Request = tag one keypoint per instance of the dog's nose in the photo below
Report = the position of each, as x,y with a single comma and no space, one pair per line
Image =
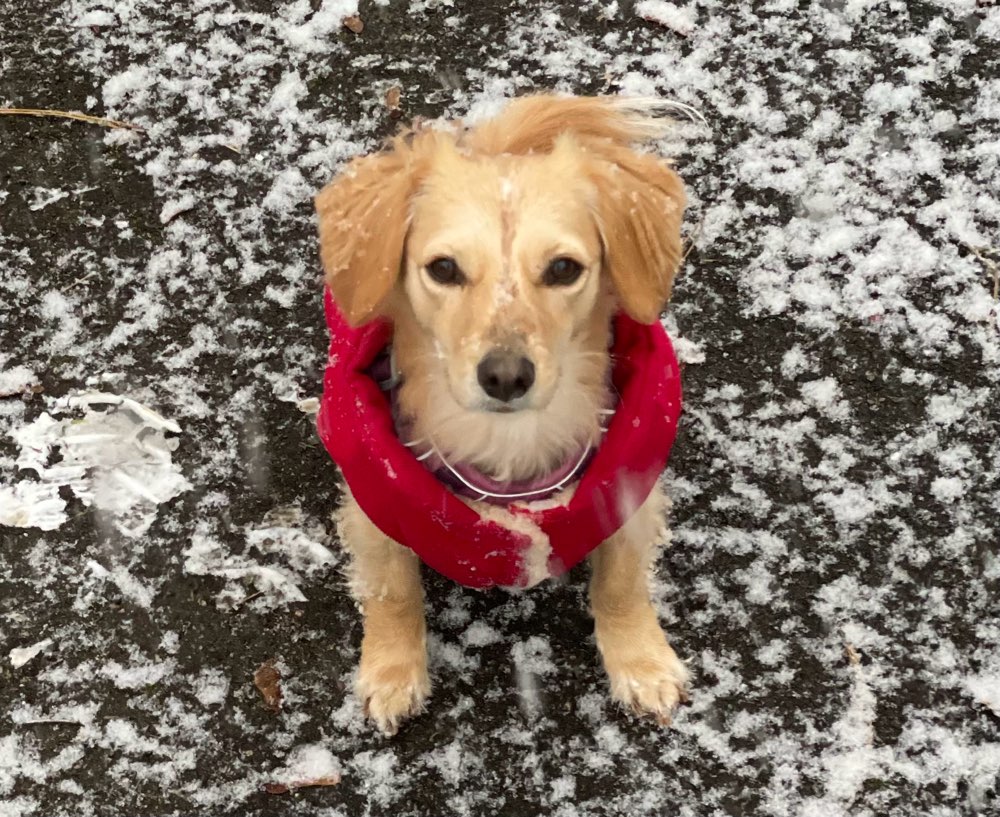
505,375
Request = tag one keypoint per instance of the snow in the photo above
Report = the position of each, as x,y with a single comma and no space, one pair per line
174,208
32,505
208,557
138,676
97,17
15,379
535,561
19,656
118,460
947,489
309,762
985,689
678,18
835,478
211,687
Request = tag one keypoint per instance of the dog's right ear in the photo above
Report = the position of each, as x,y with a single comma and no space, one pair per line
639,208
364,215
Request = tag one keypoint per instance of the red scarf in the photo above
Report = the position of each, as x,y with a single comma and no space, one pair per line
410,505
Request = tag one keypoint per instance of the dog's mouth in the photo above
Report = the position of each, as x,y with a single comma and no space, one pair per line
522,405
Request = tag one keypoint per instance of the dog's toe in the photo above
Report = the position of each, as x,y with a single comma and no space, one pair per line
392,694
650,684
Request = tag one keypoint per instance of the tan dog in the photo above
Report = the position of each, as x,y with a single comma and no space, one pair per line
501,253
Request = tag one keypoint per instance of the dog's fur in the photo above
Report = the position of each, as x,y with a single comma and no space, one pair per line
549,177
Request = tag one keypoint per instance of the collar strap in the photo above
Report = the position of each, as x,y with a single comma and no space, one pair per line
464,479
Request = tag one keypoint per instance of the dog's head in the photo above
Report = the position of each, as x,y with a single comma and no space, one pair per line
508,246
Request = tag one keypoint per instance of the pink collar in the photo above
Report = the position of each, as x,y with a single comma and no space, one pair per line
467,481
517,544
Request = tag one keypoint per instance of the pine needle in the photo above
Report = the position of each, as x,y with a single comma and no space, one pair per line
992,267
79,117
693,237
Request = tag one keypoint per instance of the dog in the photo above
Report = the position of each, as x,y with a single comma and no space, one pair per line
500,255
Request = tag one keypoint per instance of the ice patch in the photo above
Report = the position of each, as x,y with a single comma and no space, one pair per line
117,460
32,505
42,197
286,531
137,676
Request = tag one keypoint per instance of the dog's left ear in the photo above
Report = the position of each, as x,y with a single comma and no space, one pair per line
639,209
363,218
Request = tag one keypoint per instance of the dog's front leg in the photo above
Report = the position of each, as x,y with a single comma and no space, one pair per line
644,671
392,680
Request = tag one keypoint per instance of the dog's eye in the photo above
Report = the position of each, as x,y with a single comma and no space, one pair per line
561,272
445,271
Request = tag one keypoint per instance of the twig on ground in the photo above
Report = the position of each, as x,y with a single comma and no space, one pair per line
992,266
693,238
82,280
285,788
75,115
36,721
852,654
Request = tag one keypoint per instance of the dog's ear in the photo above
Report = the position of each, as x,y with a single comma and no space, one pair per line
364,214
639,207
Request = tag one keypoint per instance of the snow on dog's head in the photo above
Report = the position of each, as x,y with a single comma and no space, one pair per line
500,253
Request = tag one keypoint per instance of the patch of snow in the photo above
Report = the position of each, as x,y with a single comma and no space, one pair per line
174,208
678,18
208,557
15,379
137,676
211,687
119,461
19,656
32,505
311,761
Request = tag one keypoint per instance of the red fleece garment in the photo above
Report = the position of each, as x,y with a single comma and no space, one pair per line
408,503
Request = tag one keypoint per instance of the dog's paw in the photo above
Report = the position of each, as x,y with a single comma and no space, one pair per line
393,693
650,683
